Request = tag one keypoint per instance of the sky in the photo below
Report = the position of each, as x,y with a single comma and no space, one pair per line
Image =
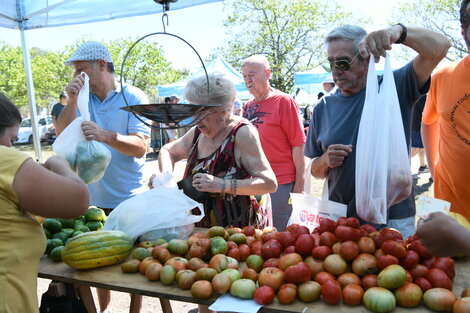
201,26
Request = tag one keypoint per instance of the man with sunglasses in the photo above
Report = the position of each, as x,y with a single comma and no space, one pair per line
333,130
446,127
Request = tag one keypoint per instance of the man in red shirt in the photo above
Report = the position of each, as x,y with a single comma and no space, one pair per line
277,117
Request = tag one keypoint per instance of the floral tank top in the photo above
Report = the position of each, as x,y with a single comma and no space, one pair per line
225,210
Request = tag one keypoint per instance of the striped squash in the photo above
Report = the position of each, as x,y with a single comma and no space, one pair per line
96,249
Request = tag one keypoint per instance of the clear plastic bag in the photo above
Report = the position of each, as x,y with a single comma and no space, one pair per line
383,175
88,158
162,212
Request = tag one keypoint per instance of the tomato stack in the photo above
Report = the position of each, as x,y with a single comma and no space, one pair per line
340,261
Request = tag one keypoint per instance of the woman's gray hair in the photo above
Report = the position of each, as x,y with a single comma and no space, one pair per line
221,90
347,32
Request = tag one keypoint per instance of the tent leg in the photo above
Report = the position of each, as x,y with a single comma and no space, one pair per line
31,100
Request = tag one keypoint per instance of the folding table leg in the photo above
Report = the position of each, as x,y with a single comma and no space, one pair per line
87,298
166,306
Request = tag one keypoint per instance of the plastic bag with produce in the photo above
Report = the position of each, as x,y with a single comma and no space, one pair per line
89,158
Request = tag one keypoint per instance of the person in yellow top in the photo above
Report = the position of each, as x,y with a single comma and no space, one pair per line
446,127
28,189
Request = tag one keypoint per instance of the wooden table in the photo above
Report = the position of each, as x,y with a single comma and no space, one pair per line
112,278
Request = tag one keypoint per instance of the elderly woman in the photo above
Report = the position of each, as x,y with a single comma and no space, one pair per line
28,189
224,156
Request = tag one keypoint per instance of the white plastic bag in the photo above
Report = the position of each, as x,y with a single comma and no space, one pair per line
383,175
307,209
162,212
88,158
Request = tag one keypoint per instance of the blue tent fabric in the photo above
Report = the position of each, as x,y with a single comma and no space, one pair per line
51,13
219,65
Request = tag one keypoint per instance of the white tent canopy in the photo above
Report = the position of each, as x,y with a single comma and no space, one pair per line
33,14
217,65
311,81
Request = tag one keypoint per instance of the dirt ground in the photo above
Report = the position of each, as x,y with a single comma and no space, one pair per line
120,301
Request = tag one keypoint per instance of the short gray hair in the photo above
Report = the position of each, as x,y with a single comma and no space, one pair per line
221,90
347,32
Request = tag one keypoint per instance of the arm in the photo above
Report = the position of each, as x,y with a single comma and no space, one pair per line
431,47
174,151
52,190
439,230
133,144
299,163
333,157
430,135
249,153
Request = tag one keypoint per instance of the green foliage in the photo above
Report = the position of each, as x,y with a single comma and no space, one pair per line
146,68
290,33
439,15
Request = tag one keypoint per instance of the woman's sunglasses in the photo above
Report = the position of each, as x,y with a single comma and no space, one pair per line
342,65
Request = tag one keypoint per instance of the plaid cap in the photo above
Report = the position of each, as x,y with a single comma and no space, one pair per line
90,51
174,97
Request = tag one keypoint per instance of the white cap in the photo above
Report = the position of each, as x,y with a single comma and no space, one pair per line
90,51
328,80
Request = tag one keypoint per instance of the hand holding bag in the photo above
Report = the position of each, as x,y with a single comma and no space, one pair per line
308,209
88,158
383,175
162,212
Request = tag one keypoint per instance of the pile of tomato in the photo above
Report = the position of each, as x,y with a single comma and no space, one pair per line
340,261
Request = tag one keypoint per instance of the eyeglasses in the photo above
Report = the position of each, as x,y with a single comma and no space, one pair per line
342,65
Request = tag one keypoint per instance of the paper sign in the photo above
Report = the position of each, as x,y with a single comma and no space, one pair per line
228,303
427,205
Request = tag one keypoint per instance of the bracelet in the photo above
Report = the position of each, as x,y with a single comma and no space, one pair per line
404,32
222,192
234,187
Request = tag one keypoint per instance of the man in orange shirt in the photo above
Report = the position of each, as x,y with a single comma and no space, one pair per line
446,127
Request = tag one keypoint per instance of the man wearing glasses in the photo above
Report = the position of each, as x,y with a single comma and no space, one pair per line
333,130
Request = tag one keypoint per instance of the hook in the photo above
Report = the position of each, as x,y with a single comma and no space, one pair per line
163,21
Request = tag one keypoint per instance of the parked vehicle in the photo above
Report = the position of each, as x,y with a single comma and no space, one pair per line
25,133
51,136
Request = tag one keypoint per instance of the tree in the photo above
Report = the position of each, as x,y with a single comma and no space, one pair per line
290,33
439,15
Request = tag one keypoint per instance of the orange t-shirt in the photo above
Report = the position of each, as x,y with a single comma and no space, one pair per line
448,103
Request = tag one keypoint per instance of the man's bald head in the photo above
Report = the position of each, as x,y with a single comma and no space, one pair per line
257,59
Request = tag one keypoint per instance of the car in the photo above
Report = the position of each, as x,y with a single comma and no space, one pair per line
25,133
51,136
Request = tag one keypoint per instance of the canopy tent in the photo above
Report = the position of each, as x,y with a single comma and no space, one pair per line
311,81
217,65
33,14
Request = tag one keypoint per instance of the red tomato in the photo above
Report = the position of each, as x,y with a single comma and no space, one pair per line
385,260
345,233
423,283
364,264
347,279
250,274
410,260
409,295
264,295
369,228
366,245
304,244
369,281
352,222
255,247
244,251
418,271
438,278
287,294
326,225
321,252
327,238
446,264
322,277
272,249
353,294
331,292
394,248
316,265
286,239
349,250
423,252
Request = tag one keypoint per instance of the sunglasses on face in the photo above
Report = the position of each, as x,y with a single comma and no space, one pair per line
342,65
